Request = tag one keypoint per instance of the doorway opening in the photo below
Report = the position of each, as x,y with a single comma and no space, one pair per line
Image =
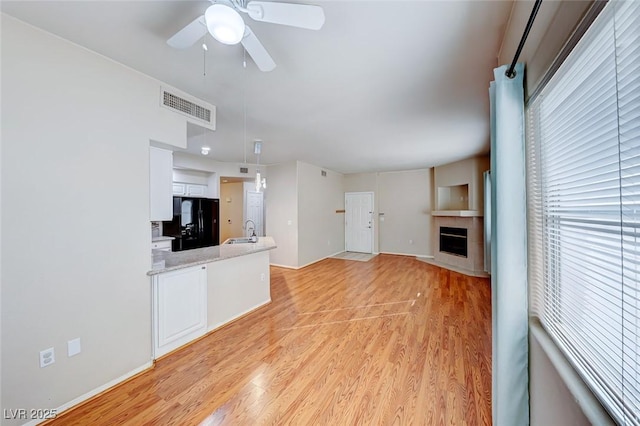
240,203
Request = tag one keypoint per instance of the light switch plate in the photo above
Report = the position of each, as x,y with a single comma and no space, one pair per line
74,347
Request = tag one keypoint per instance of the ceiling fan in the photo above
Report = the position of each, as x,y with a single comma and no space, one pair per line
225,24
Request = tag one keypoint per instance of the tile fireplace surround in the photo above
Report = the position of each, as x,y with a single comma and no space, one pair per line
473,264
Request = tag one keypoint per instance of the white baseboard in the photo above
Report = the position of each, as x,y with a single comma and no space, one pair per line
237,317
316,261
96,391
432,261
282,266
425,257
406,254
310,263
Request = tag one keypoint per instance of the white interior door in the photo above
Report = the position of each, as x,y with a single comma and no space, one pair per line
358,221
254,210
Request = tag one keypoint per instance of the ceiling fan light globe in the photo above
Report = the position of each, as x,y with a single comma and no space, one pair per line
225,35
224,23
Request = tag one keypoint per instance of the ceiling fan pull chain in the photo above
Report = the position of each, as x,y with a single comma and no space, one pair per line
204,58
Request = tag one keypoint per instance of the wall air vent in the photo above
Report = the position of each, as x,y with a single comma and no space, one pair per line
244,170
323,173
198,111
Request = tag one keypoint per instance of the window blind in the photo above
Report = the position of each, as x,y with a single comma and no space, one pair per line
583,179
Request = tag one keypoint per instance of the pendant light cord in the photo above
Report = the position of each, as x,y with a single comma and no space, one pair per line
244,104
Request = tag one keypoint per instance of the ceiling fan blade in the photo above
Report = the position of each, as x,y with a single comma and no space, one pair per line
187,36
295,15
256,50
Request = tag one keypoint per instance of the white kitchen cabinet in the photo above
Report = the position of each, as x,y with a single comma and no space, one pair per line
179,189
196,190
164,245
189,189
180,308
160,181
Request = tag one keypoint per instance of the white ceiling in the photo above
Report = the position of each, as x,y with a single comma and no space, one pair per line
384,85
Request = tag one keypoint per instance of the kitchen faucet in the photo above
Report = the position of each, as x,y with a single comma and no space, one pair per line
253,236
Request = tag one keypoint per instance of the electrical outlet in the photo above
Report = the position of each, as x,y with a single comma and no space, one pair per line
47,357
74,347
410,241
328,242
263,277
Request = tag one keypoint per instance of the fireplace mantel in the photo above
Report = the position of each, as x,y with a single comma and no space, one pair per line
457,213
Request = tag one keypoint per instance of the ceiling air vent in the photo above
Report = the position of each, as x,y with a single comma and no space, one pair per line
198,111
244,170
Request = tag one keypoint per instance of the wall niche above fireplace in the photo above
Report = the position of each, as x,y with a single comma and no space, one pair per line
454,197
459,188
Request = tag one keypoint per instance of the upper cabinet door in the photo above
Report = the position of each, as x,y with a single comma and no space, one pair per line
179,189
160,184
196,190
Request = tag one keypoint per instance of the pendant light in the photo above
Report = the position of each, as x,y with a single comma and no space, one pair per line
257,143
257,149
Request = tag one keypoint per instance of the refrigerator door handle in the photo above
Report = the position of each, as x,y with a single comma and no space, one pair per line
200,224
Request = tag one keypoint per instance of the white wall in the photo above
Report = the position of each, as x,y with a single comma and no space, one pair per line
1,274
551,403
281,199
76,129
320,228
236,286
405,198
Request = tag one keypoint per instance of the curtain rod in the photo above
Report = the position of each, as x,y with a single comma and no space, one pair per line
534,12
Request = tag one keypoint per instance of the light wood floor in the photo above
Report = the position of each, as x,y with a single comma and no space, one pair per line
389,341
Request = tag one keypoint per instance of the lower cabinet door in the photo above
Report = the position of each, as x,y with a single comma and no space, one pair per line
180,308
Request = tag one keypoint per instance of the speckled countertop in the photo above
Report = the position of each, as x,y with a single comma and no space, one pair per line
186,258
161,238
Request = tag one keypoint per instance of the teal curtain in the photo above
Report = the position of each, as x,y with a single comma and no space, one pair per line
510,372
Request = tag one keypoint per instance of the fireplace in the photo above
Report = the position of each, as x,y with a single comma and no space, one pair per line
453,240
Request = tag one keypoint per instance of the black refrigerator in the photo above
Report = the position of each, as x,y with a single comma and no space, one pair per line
195,223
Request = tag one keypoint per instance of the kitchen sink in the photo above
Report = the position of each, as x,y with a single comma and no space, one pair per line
238,241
